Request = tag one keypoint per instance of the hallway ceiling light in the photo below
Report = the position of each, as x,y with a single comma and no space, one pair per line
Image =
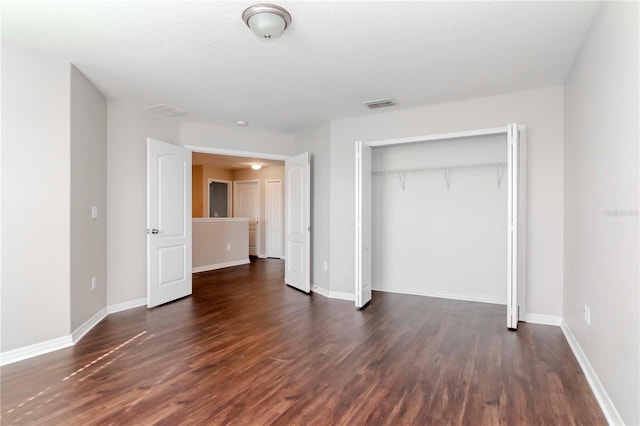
266,20
256,166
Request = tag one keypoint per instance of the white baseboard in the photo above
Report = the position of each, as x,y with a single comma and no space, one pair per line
321,291
442,295
197,269
543,319
262,256
342,295
30,351
88,325
130,304
609,410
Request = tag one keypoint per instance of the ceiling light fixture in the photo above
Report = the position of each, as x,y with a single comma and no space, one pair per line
266,20
256,166
241,123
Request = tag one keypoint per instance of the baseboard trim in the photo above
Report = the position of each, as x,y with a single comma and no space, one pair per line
88,325
440,295
609,410
262,256
321,291
543,319
342,295
25,352
220,265
130,304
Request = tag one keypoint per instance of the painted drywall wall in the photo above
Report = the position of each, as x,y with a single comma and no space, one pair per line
542,112
262,175
197,208
219,243
315,141
441,232
35,228
235,138
601,203
88,127
128,129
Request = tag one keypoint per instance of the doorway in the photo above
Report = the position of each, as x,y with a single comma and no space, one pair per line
246,203
447,241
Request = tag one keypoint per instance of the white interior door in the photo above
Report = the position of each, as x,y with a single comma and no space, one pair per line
168,222
513,185
273,217
247,204
363,224
298,222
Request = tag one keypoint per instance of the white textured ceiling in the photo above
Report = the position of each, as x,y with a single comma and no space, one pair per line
199,56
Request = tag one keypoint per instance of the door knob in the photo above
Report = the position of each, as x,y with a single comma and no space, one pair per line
154,231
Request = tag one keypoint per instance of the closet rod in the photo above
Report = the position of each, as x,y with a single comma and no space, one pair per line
465,166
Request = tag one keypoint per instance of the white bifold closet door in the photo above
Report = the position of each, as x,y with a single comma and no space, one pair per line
363,224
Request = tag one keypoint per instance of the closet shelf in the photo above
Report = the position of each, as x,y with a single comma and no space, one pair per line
463,166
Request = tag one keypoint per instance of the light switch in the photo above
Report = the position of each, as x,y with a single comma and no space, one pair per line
94,212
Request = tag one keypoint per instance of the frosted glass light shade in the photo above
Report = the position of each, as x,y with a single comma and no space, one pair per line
267,25
266,20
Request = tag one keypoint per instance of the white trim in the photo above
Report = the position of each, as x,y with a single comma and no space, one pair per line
262,256
440,136
237,153
543,319
36,349
321,291
88,325
342,295
442,295
214,266
123,306
609,410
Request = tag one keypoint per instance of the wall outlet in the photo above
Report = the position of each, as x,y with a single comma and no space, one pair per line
94,212
93,283
325,266
229,247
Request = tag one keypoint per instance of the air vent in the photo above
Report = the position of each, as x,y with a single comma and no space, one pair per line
380,103
167,110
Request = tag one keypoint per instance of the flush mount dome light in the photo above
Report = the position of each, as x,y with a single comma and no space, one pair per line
266,20
256,166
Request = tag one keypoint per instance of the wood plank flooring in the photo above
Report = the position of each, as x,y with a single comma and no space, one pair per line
247,350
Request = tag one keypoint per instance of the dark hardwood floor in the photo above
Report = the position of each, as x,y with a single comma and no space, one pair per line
246,349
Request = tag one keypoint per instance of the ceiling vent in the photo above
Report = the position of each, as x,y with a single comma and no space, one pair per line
380,103
167,110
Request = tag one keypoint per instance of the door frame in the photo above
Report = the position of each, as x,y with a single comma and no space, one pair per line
248,154
259,212
516,274
229,195
266,203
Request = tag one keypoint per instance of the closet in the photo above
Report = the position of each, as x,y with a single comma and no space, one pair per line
443,216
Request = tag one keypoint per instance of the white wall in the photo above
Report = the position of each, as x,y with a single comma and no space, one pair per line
315,140
128,130
210,239
540,110
235,138
88,188
434,239
601,203
35,197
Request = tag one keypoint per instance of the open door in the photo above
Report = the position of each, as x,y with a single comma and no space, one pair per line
513,186
168,222
363,224
298,222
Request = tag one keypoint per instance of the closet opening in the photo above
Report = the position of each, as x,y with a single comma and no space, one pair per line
443,216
